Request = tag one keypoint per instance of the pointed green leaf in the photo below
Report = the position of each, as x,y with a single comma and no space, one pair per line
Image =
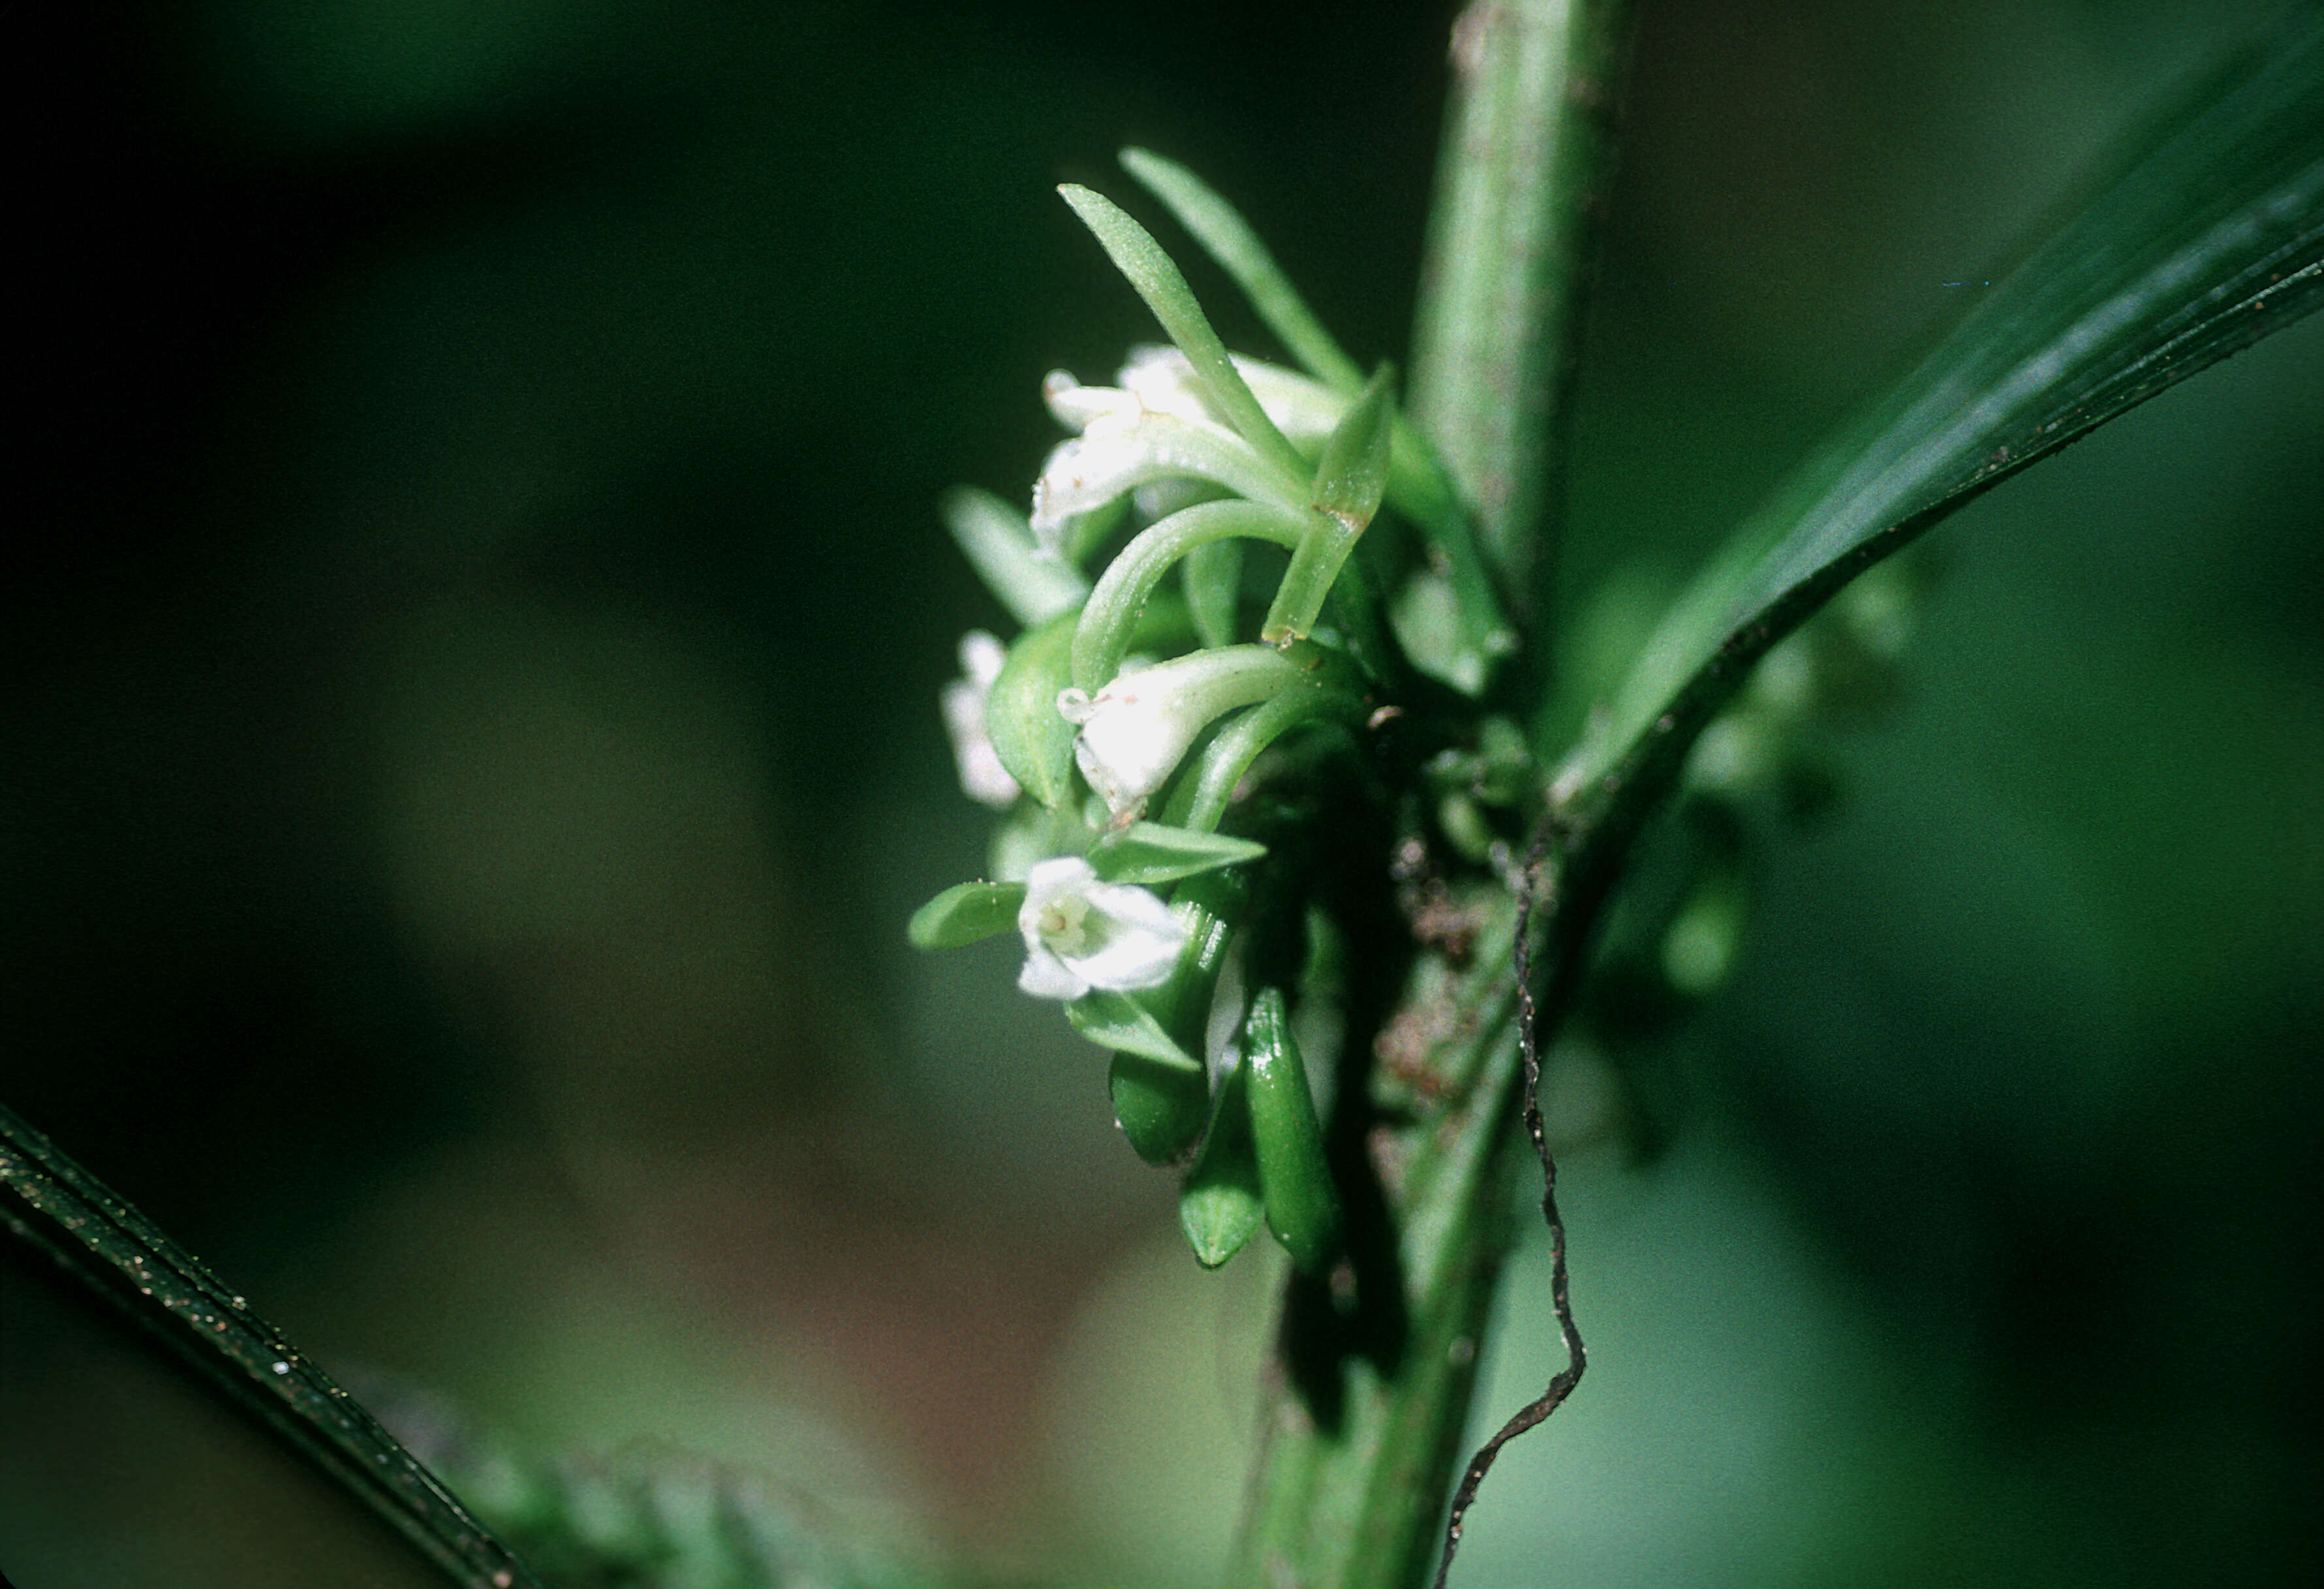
1352,473
999,544
1117,1021
1348,480
965,913
1020,714
1432,503
1219,1202
1148,853
2211,237
1160,282
1230,241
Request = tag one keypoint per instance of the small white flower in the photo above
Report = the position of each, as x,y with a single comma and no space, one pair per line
1081,934
981,776
1135,731
1126,441
1306,411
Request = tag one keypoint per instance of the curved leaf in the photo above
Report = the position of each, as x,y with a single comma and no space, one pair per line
2211,237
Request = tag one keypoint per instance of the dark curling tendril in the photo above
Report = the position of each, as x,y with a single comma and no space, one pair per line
1577,1357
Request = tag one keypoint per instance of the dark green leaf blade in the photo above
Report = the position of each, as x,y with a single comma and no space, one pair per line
2212,236
104,1242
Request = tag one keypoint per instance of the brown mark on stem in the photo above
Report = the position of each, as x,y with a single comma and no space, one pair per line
1561,1383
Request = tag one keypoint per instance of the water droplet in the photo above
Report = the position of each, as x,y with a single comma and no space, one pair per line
281,1368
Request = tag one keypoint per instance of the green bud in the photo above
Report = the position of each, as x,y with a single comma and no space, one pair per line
1303,1205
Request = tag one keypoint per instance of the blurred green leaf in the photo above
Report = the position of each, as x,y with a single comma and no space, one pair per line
1230,240
1020,714
2210,237
997,539
1160,1106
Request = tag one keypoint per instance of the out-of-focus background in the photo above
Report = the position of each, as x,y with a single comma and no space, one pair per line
472,623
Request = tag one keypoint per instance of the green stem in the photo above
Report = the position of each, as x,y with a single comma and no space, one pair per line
1518,189
1377,1366
57,1207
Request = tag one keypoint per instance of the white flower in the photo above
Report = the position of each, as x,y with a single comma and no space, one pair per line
982,775
1126,441
1082,934
1306,411
1135,731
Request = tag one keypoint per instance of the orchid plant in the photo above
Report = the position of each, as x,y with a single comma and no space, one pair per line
1306,836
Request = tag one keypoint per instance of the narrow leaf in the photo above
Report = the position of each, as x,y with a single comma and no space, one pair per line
998,541
1020,714
2211,237
1160,282
1117,1021
965,914
1148,853
93,1233
1122,600
1230,241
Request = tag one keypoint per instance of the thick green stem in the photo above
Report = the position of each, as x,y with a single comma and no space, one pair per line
1518,189
1376,1367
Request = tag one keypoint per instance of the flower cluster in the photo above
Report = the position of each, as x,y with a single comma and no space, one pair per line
1149,732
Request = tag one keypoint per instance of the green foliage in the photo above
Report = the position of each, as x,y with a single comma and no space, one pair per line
2208,238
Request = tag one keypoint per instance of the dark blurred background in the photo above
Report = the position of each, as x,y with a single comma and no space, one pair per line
471,627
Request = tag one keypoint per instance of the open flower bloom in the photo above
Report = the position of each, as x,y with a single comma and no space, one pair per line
981,776
1135,730
1081,934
